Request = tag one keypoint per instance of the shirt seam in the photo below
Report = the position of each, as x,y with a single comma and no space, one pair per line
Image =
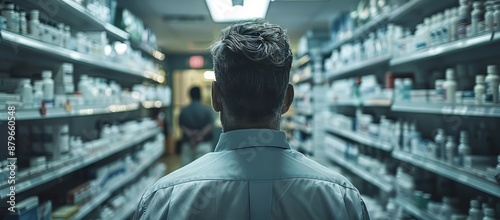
199,180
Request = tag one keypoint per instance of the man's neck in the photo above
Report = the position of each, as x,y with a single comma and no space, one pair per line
243,124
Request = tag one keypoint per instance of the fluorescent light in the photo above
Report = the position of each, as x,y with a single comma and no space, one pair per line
224,11
209,75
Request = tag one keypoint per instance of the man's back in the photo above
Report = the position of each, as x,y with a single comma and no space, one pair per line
253,174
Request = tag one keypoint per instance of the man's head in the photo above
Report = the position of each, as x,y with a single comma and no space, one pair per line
252,62
195,93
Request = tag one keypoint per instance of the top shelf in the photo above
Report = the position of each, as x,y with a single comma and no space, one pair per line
357,33
65,55
75,15
455,47
414,11
407,14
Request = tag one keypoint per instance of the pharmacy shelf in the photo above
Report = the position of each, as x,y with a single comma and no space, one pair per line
306,79
153,104
150,51
450,172
130,208
303,111
302,127
362,139
360,32
455,47
447,109
415,11
415,211
75,15
366,102
364,174
353,69
65,55
34,114
117,184
74,164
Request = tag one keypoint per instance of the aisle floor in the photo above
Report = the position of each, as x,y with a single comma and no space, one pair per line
173,162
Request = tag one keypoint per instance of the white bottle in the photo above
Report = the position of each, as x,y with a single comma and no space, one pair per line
34,24
8,13
38,94
479,89
492,82
23,24
489,18
68,39
496,17
463,148
440,25
453,25
450,86
60,33
450,150
27,94
407,87
477,17
48,88
64,139
440,141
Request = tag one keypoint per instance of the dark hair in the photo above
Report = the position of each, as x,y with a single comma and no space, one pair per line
195,93
252,61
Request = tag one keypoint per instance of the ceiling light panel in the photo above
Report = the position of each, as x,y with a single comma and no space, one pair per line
226,11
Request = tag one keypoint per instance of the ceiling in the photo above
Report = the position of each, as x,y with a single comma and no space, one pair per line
185,26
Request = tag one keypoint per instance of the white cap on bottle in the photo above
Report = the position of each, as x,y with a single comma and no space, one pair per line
450,73
46,74
479,79
492,69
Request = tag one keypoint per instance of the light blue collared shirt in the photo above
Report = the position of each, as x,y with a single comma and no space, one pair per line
253,174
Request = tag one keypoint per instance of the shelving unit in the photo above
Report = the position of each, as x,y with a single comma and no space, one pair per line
306,112
70,12
447,109
52,113
415,10
415,211
150,51
358,33
45,50
367,103
364,174
362,139
63,168
103,196
455,47
363,66
450,172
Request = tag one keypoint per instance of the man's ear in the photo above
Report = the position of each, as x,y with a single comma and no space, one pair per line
216,97
288,99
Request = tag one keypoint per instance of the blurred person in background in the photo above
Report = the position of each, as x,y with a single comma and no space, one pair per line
253,173
196,123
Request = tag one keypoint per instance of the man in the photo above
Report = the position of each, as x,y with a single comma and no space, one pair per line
253,173
196,123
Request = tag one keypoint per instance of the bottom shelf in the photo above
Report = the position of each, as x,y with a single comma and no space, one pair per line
97,201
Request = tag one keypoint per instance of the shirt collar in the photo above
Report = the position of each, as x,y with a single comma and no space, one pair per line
247,138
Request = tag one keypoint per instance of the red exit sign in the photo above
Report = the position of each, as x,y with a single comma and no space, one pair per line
196,62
